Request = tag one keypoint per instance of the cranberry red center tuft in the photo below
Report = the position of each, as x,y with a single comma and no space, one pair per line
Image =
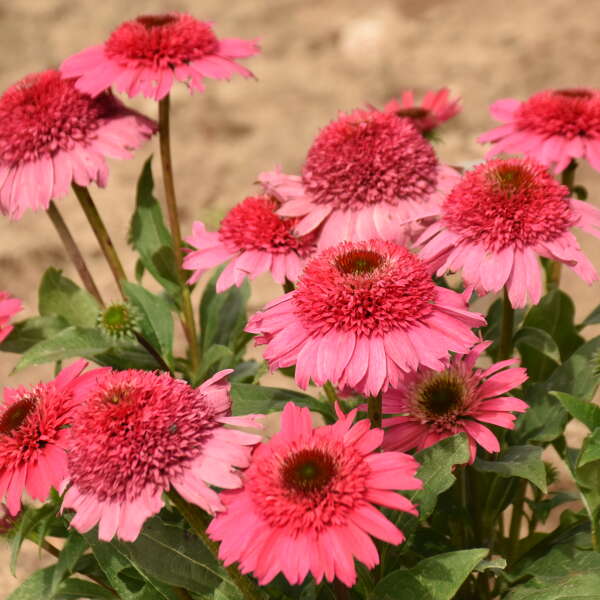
15,414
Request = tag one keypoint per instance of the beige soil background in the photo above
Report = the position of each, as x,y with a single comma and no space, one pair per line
318,57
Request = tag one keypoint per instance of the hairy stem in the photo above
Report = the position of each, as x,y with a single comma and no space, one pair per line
97,225
198,521
374,410
506,333
73,252
188,323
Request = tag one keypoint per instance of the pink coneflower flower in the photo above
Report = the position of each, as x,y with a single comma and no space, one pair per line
498,219
435,108
254,239
307,501
553,127
137,434
438,404
51,134
146,55
368,175
9,307
34,435
361,315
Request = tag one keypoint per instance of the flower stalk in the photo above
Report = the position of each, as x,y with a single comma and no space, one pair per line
188,323
374,410
506,332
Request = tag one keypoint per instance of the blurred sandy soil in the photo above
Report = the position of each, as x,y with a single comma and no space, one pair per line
318,57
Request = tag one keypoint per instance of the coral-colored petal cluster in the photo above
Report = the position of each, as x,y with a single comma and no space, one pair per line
9,307
435,108
368,175
553,126
34,434
433,405
363,314
52,135
147,55
307,501
254,239
499,219
136,434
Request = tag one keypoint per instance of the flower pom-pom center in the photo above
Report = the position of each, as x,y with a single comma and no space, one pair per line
150,21
358,262
16,414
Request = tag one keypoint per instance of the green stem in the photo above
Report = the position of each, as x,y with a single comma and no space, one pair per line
188,323
516,519
374,410
101,233
198,521
506,333
330,392
73,252
567,178
153,352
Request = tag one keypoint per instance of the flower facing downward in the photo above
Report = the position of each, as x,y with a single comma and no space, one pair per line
146,55
307,501
435,108
254,239
51,135
368,175
498,219
361,315
9,307
553,127
136,434
438,404
34,435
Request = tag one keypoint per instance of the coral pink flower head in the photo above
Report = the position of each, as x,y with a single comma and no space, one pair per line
137,434
51,135
34,435
438,404
9,307
498,219
307,501
254,239
148,54
553,126
435,108
368,175
364,313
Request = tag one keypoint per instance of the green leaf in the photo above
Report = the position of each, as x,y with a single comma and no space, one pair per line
156,322
223,316
434,578
517,461
555,314
72,341
590,450
248,398
539,352
586,412
29,332
29,519
174,556
150,237
75,545
592,319
35,587
59,296
75,589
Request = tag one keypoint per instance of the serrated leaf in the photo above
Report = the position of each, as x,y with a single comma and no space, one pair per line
174,556
517,461
156,322
150,237
586,412
248,398
434,578
70,342
59,296
29,332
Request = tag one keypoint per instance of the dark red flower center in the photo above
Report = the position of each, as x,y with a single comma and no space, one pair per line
308,470
574,93
368,157
161,41
442,394
358,262
15,414
413,112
